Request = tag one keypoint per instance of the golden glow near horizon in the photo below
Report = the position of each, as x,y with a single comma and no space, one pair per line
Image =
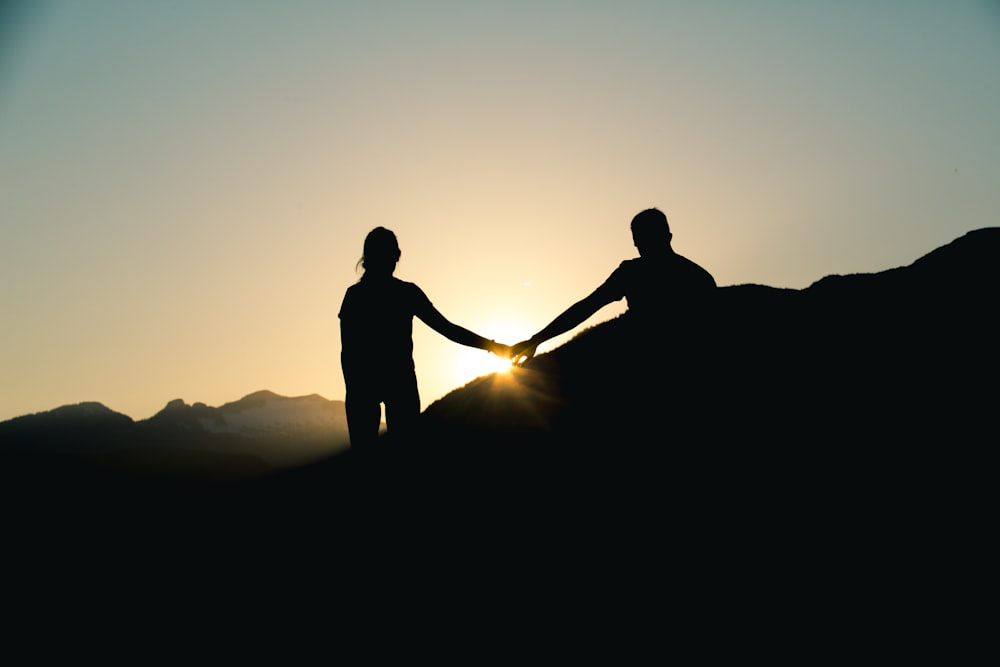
471,363
185,186
485,364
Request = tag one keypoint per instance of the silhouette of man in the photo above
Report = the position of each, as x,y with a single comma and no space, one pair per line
659,284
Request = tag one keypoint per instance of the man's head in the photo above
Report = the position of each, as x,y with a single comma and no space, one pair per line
651,231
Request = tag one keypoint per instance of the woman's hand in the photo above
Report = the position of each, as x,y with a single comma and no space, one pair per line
499,349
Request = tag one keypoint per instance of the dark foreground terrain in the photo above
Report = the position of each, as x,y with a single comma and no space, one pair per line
808,461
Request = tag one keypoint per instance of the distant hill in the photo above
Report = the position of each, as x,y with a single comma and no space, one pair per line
247,438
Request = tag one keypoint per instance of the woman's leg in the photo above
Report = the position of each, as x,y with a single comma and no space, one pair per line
364,416
402,406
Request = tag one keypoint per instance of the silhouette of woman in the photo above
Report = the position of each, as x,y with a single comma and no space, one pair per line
376,335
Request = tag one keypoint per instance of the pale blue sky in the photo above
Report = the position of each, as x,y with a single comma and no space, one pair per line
185,186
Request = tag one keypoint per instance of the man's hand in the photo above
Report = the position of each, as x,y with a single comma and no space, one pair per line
522,352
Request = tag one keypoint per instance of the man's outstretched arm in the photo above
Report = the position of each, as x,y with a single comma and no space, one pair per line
567,320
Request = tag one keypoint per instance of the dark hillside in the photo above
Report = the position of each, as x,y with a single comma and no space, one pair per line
856,387
860,361
801,465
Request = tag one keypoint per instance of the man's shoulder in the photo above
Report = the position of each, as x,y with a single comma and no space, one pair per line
627,271
670,260
696,269
627,266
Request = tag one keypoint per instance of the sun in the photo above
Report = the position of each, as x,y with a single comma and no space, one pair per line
498,365
473,363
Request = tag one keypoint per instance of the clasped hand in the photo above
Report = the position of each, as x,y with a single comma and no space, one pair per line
499,349
518,354
522,352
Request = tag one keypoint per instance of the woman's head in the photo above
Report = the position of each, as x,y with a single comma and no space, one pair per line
381,252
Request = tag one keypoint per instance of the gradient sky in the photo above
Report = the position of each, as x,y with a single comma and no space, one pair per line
185,186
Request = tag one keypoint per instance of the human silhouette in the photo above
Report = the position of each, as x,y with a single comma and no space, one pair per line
376,335
660,286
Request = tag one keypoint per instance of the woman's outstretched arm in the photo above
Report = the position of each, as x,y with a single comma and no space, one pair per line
433,318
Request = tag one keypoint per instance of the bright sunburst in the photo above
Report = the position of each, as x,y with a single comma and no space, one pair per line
475,363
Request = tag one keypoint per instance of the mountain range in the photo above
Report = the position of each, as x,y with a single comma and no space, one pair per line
250,437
